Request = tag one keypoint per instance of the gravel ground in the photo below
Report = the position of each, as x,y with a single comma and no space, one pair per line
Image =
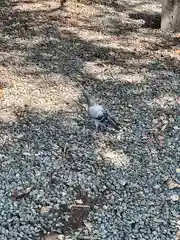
59,179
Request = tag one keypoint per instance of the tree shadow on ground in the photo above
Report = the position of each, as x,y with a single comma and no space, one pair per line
28,24
151,20
114,4
64,53
58,157
60,50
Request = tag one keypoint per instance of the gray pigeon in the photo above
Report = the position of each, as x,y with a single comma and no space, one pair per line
98,114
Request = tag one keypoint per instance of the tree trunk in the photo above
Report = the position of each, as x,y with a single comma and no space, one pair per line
170,17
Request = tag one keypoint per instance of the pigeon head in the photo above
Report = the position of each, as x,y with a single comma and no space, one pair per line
89,100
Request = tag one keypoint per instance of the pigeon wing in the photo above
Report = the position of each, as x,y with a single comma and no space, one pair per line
98,112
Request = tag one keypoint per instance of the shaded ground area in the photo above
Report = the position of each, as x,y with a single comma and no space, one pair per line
57,175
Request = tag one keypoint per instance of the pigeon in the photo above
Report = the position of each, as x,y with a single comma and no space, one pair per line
99,114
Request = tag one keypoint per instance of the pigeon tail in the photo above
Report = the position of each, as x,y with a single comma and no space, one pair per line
112,122
89,100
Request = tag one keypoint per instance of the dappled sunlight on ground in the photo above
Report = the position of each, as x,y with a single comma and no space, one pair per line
116,158
165,101
35,5
40,94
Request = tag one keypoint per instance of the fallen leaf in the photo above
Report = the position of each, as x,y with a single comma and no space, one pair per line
178,235
77,215
160,140
88,225
177,51
53,177
45,209
139,195
79,206
1,93
37,173
65,148
79,201
123,182
178,100
28,190
61,237
175,198
51,236
81,237
25,192
150,140
172,184
26,154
